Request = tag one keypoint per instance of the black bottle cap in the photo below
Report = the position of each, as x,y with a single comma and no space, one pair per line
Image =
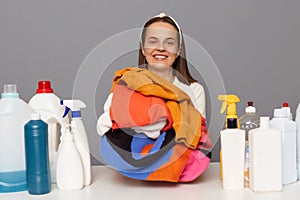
232,123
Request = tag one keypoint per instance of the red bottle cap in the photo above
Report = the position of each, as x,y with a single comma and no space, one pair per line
44,87
285,104
250,103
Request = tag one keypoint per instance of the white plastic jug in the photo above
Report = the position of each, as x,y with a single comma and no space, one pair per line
14,114
48,105
265,158
287,127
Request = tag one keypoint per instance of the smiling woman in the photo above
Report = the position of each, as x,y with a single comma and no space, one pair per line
153,126
162,51
160,48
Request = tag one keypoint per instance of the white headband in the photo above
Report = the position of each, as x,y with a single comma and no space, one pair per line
161,15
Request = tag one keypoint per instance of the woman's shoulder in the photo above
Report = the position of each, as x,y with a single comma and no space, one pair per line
196,86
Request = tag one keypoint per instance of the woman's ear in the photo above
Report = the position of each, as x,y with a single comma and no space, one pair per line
143,51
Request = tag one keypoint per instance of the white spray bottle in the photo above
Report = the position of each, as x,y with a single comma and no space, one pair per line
80,136
69,173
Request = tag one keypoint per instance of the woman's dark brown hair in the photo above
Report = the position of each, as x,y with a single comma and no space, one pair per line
180,64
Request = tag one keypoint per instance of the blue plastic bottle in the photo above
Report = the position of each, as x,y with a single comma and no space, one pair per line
37,156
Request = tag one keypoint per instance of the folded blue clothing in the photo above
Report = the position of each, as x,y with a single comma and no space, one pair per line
129,145
136,156
140,140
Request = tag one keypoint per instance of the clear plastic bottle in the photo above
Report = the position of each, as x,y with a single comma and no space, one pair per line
248,121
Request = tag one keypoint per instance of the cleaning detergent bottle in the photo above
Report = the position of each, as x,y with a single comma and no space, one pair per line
233,152
80,136
285,105
48,105
37,156
265,158
298,139
287,127
69,173
14,113
228,103
248,121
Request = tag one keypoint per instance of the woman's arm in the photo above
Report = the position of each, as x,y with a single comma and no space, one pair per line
104,121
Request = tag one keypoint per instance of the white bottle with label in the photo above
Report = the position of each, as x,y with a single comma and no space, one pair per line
233,152
265,158
298,139
48,105
69,173
287,127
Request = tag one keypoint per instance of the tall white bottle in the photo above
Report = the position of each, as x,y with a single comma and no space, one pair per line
298,139
80,136
69,173
265,158
48,105
233,152
287,127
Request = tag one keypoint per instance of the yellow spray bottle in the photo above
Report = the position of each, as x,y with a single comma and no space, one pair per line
229,104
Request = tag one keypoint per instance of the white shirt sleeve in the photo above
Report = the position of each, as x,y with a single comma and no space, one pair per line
199,95
104,121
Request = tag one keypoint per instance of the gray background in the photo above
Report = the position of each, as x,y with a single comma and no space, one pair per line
254,44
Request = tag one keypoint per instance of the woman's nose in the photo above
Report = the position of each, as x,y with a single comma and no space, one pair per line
161,46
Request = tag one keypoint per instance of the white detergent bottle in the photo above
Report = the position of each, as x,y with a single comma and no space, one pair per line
80,136
69,173
265,158
14,114
285,105
48,105
287,127
233,152
298,139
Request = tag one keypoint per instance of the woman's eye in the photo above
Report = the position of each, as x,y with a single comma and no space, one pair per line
152,42
170,43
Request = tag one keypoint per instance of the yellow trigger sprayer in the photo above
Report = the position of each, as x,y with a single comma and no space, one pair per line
228,103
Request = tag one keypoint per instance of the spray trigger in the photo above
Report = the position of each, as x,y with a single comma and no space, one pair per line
66,110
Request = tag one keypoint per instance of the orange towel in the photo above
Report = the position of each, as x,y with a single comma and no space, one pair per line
186,119
130,108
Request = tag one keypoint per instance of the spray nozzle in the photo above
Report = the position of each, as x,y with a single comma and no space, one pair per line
228,101
74,106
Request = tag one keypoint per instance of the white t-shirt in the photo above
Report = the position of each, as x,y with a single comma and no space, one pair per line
194,90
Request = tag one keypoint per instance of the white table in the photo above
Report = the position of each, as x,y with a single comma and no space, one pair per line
108,184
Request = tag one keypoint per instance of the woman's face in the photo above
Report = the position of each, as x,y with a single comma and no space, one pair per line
160,47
